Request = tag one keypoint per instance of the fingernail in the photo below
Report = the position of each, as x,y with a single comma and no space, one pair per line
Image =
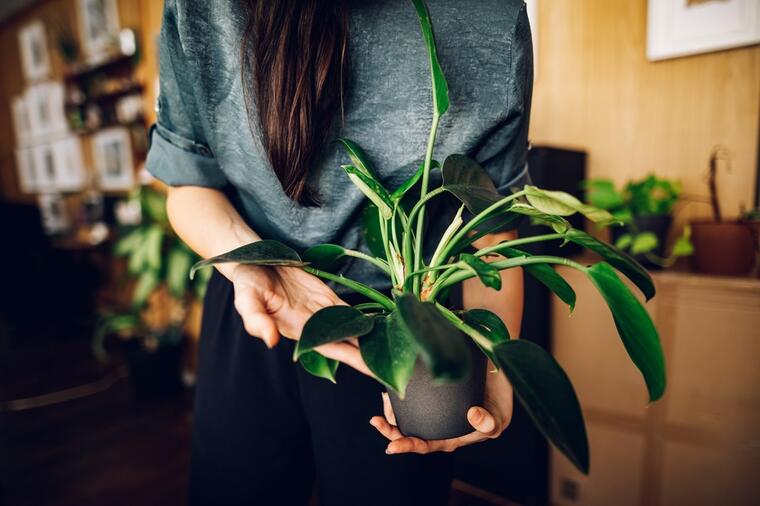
388,451
476,416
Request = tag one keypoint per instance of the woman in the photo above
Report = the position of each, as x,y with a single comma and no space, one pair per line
251,95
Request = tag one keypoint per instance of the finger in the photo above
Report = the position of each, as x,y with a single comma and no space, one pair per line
346,353
408,445
416,445
388,409
256,320
483,421
383,427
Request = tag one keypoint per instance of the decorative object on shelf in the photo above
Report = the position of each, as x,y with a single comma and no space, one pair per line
152,328
35,59
685,27
415,321
721,247
645,210
99,27
112,154
54,213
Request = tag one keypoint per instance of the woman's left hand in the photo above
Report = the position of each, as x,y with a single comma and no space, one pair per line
489,421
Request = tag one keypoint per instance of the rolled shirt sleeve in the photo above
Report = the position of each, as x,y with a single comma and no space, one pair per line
179,153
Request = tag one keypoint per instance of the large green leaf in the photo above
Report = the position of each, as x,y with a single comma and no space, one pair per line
318,365
370,226
147,282
399,192
129,243
371,189
634,326
487,274
330,324
547,395
557,223
389,352
469,182
178,264
264,252
153,205
324,257
358,157
622,261
563,204
152,247
442,346
440,87
545,274
488,325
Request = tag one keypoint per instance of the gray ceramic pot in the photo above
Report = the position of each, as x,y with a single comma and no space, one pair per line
439,411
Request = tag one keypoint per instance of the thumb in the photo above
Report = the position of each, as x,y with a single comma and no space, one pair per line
482,421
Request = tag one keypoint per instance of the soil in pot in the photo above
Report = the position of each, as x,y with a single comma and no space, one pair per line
723,248
431,410
153,373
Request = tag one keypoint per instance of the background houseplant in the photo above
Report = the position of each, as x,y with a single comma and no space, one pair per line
414,321
645,209
151,328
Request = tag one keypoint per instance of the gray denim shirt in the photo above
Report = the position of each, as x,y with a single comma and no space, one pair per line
202,135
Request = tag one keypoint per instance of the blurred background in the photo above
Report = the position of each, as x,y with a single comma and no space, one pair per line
650,109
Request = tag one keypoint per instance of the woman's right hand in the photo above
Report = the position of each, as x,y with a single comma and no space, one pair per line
277,301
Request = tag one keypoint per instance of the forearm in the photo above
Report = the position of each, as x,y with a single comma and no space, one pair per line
507,303
206,220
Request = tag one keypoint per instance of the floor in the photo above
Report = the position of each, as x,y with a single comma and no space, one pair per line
103,447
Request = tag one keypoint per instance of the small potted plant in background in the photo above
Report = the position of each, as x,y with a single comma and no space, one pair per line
722,247
151,329
644,213
418,346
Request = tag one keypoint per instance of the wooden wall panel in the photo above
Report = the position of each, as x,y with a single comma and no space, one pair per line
596,91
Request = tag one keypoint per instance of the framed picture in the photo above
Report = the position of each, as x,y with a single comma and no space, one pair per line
55,216
112,154
98,25
70,173
44,168
35,60
46,110
25,168
21,126
685,27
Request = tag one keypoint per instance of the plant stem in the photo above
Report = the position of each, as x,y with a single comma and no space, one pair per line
423,193
476,336
517,242
361,288
375,261
388,255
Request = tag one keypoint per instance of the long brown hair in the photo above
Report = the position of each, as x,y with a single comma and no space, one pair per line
295,60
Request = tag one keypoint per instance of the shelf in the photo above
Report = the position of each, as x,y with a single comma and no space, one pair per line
86,69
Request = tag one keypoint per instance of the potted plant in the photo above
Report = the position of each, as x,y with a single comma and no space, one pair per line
645,210
413,324
722,247
152,327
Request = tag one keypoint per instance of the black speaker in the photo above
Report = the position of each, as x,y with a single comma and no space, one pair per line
516,466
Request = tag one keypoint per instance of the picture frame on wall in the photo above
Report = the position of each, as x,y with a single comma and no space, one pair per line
112,155
46,111
45,167
98,26
21,125
678,28
35,59
70,173
54,214
26,170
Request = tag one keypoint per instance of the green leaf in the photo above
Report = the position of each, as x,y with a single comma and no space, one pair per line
563,204
557,223
644,243
440,87
324,256
147,282
371,231
547,395
371,189
546,275
129,243
152,244
487,274
330,324
634,326
469,182
178,264
358,157
488,324
602,193
624,241
201,282
264,252
389,352
442,346
683,246
622,261
399,192
318,365
153,205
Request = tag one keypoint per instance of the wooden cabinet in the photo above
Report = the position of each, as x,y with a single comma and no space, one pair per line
698,445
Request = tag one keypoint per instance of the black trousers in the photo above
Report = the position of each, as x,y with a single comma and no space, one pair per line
265,430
